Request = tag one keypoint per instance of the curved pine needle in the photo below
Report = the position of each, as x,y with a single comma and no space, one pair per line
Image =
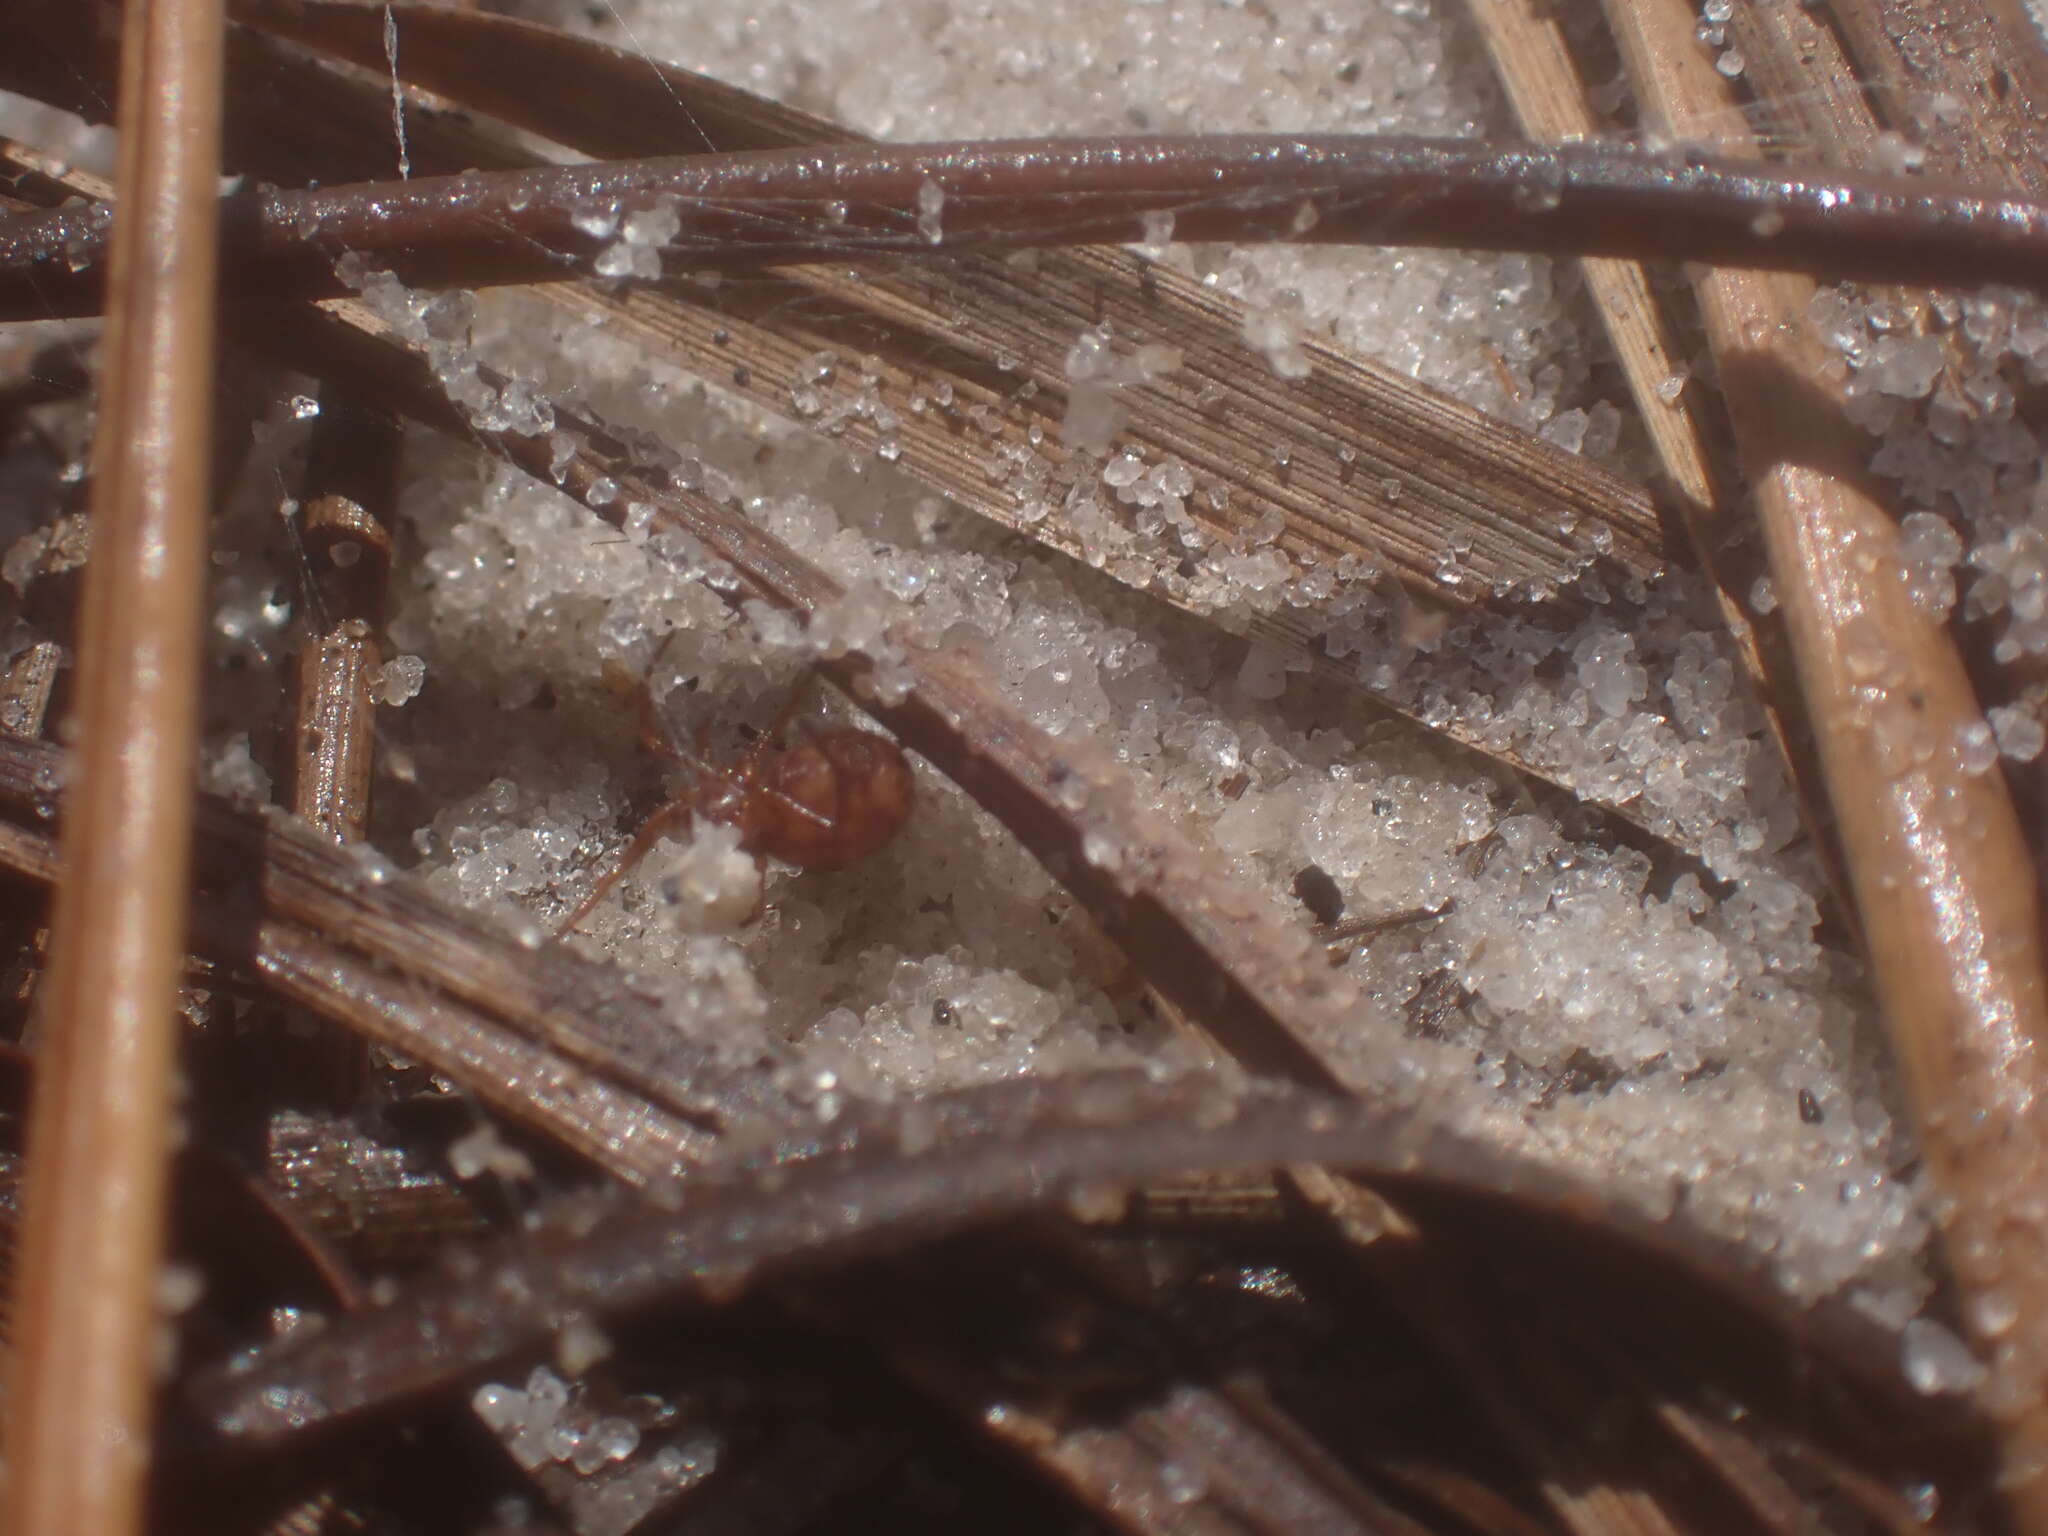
890,1177
833,202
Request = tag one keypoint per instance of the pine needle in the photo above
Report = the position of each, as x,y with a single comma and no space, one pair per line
79,1426
1936,855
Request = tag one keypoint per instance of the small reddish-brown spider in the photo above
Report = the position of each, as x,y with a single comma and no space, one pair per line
819,804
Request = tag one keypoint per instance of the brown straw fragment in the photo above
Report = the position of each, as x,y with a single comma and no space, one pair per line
78,1428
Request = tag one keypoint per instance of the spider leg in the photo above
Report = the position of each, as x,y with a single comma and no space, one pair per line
654,730
796,697
744,775
655,733
794,804
665,820
771,738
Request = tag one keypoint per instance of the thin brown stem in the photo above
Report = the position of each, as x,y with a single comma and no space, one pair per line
837,201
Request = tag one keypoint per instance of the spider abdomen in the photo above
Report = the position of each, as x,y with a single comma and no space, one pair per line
827,801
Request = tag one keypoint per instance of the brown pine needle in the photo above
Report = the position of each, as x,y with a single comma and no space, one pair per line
1526,42
1936,855
78,1433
